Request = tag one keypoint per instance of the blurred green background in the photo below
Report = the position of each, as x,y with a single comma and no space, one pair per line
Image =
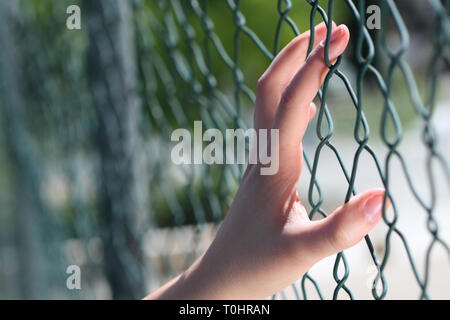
86,117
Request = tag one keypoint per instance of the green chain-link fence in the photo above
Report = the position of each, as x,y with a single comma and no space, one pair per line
87,117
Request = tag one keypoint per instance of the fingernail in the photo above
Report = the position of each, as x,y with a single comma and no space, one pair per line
373,207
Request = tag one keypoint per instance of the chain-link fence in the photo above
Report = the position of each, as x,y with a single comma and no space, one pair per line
87,117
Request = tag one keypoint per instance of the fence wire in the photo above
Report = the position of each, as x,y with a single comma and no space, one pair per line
100,105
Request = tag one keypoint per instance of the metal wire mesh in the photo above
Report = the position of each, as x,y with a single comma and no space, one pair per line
153,66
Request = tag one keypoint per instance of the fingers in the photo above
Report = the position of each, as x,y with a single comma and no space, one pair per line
346,226
293,113
281,71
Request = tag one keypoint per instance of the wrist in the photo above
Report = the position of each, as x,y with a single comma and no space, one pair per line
192,284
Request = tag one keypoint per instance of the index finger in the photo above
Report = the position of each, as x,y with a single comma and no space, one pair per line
293,113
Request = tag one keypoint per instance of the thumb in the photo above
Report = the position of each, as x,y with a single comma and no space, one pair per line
348,224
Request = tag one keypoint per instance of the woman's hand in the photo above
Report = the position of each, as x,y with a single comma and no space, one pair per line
266,240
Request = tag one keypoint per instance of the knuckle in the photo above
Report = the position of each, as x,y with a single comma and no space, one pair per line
318,54
339,238
262,82
287,96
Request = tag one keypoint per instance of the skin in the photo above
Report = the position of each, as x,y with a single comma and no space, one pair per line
266,240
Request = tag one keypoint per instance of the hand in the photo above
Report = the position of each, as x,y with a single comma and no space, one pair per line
266,240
